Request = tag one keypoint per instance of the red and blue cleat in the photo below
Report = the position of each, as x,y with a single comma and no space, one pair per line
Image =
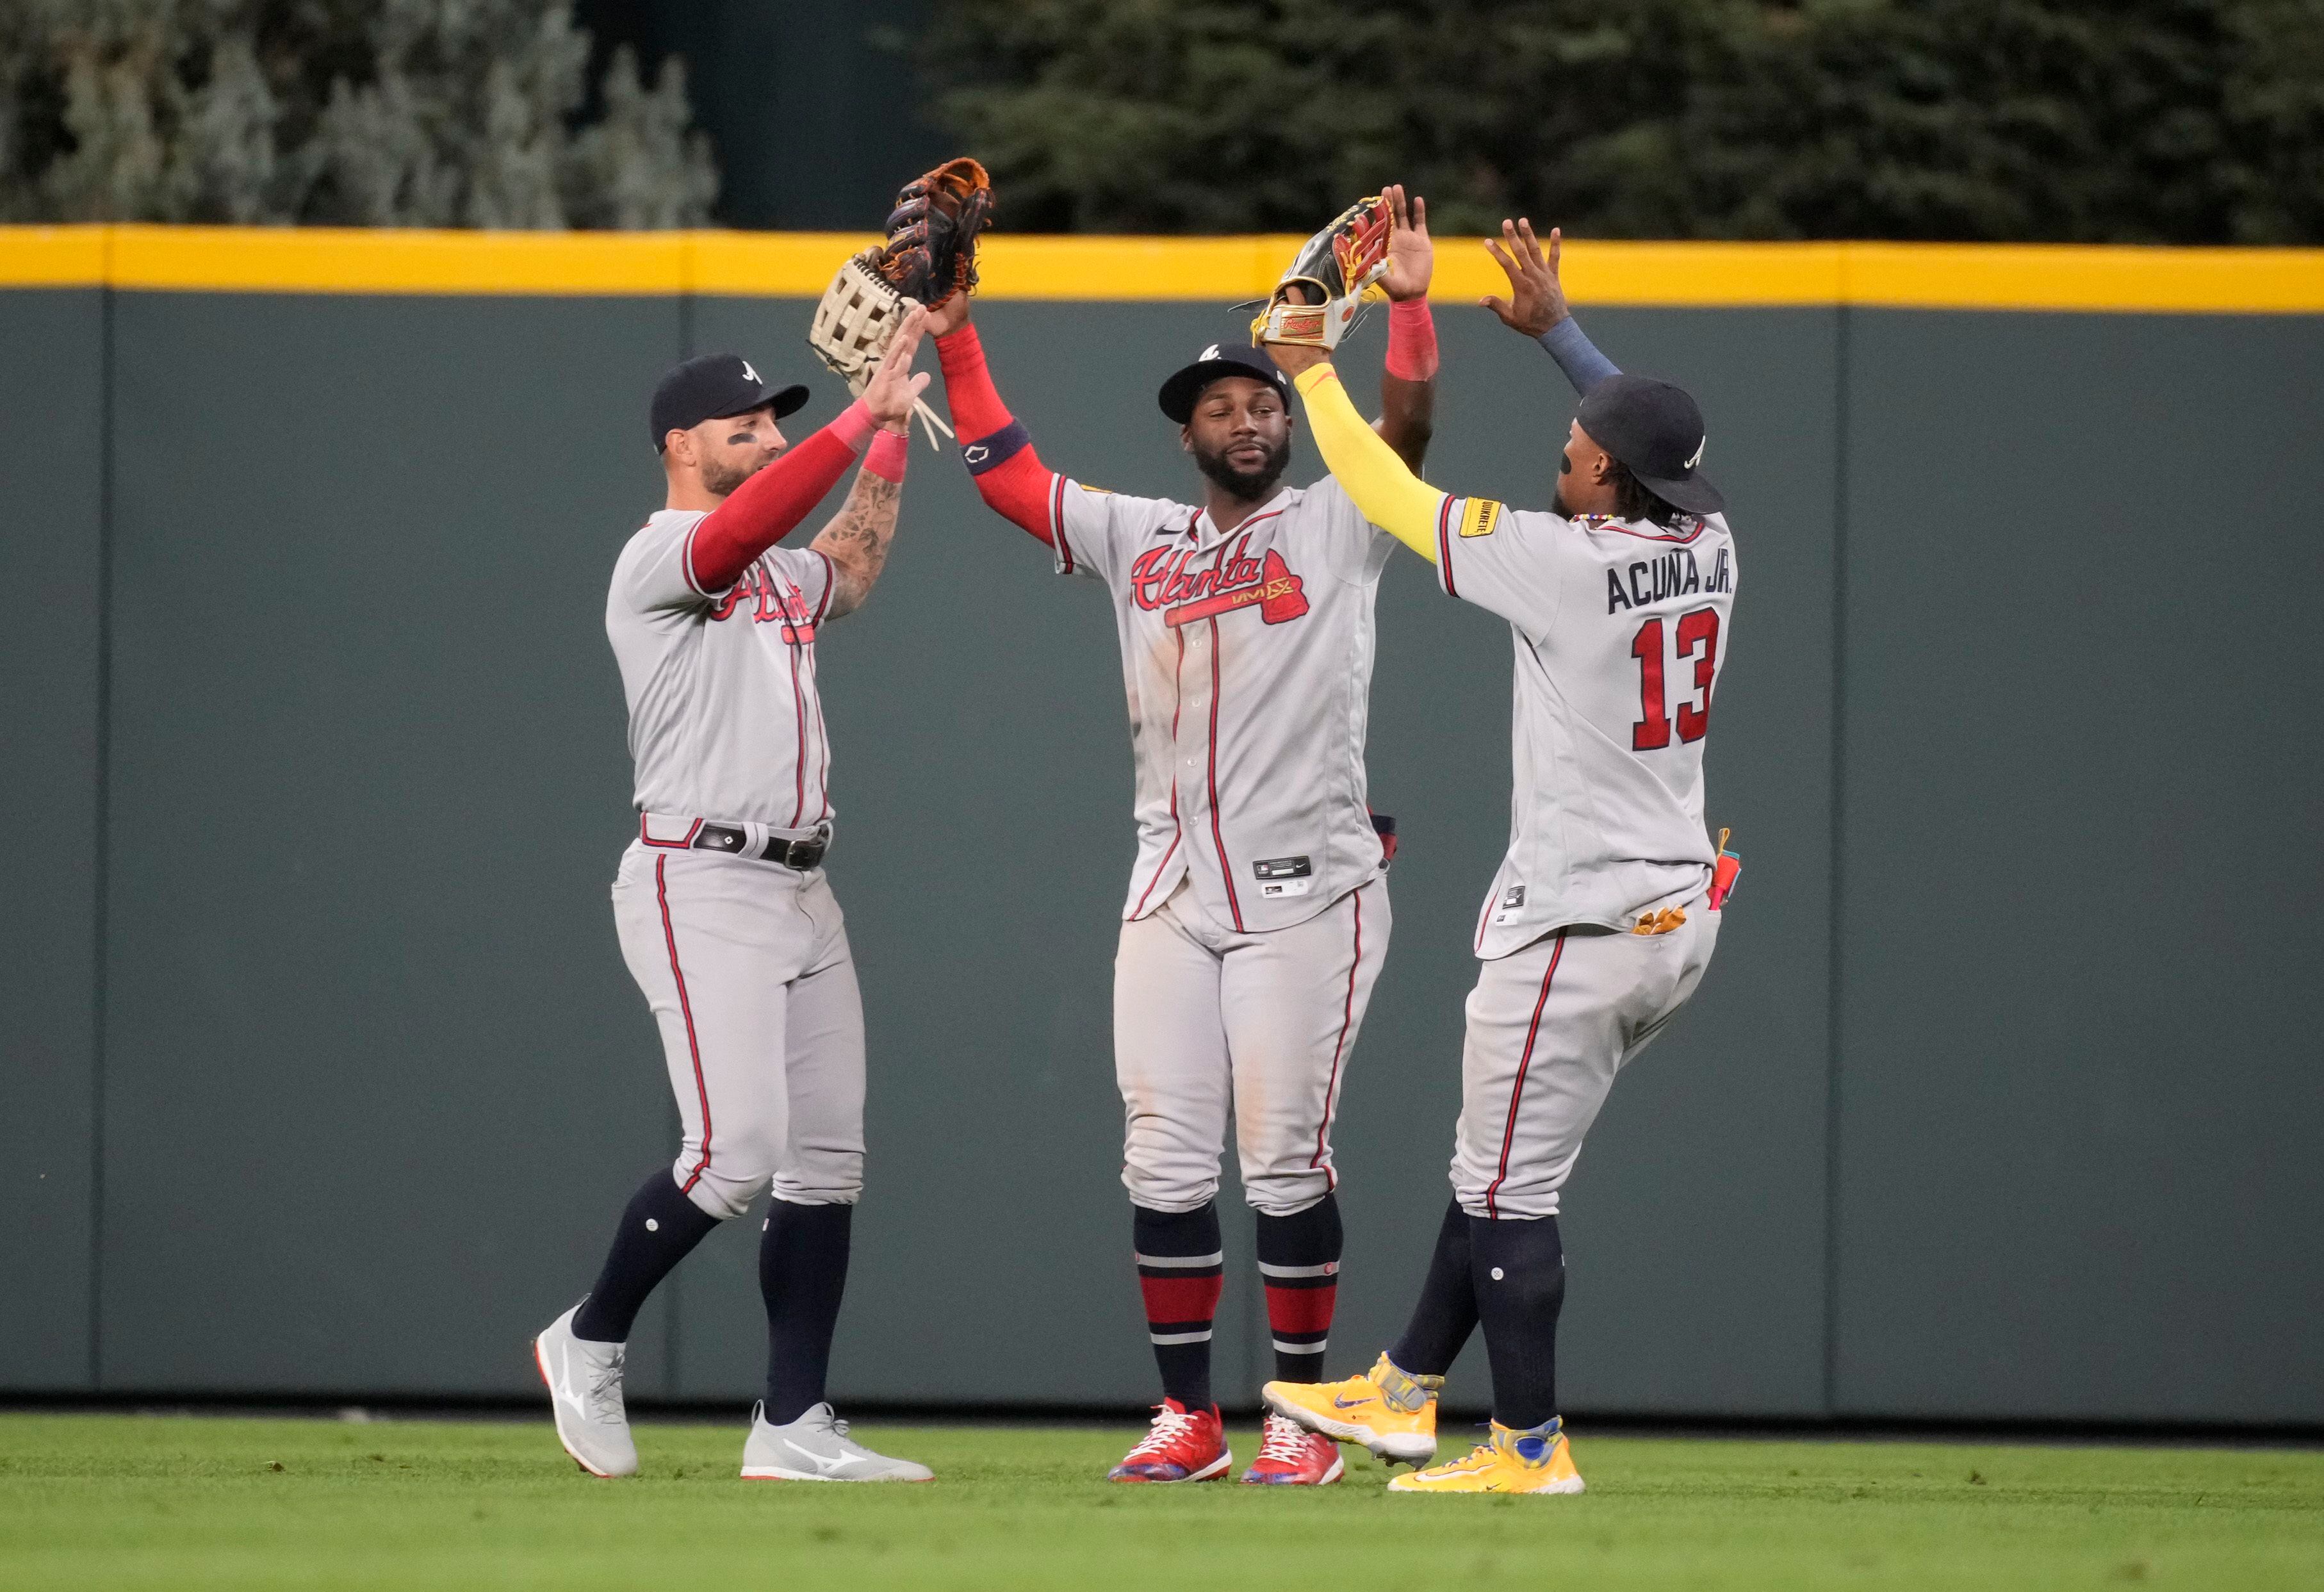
1181,1446
1290,1456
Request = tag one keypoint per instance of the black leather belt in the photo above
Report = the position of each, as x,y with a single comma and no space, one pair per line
801,854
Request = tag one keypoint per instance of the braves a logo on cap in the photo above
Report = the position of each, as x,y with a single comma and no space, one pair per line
1160,578
749,374
1695,458
1209,353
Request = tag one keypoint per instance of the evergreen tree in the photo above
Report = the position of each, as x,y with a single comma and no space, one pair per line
372,113
2191,121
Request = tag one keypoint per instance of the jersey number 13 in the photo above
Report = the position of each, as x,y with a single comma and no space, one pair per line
1698,633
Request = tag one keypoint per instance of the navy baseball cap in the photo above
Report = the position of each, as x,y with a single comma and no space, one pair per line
712,386
1656,430
1214,363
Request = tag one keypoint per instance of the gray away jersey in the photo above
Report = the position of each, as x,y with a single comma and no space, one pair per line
1247,661
724,721
1620,629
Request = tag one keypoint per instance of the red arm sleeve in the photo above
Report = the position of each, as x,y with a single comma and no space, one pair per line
1010,476
765,508
1411,341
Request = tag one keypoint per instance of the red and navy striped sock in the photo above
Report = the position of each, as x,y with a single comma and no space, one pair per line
1181,1266
1299,1262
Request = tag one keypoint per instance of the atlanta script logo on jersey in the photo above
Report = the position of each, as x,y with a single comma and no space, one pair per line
783,602
1161,579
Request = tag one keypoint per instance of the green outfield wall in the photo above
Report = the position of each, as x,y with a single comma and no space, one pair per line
322,1073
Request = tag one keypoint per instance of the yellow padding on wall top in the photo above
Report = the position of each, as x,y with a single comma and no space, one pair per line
52,256
797,264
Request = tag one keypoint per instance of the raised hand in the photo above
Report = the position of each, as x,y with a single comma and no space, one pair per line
1536,299
1411,257
1291,358
948,314
894,389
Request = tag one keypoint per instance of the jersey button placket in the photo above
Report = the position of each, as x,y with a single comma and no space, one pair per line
1194,763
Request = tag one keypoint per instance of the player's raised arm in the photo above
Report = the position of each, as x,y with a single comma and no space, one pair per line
1009,474
765,508
856,541
1536,305
1408,383
1375,477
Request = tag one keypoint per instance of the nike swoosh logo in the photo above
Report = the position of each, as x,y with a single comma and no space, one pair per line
822,1465
1339,1403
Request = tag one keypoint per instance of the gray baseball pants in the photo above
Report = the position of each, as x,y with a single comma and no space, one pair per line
1549,1027
1208,1023
746,966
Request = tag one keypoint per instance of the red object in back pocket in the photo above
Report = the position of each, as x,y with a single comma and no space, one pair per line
1722,879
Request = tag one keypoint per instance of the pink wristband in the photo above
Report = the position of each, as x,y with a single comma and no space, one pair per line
890,451
853,427
1411,340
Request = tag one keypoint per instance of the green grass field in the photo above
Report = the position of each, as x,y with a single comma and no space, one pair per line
108,1501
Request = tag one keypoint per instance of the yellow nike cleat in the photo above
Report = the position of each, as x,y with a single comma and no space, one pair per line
1539,1460
1392,1414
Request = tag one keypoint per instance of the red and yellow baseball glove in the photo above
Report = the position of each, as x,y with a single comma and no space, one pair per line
1322,294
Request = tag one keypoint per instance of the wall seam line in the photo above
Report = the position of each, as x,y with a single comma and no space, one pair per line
102,796
1835,964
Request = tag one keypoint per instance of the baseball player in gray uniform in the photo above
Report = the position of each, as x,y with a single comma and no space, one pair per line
1256,916
1602,918
725,918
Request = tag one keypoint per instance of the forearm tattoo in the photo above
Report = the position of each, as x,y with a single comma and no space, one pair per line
856,541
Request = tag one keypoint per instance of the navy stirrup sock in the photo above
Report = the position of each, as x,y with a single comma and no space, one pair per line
659,1228
802,1273
1518,1270
1447,1312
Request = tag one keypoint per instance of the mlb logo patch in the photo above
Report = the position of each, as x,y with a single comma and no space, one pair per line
1284,875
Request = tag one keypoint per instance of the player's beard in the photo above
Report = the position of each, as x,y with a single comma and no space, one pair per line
1249,485
720,479
1557,489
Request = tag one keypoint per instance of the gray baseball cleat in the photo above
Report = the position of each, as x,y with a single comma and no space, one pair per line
584,1389
815,1447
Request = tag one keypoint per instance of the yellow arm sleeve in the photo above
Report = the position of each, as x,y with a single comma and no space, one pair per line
1367,469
